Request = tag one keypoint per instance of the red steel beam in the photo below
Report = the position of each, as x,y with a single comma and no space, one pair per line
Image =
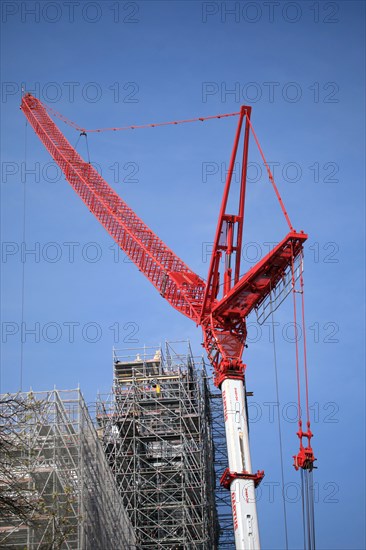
258,282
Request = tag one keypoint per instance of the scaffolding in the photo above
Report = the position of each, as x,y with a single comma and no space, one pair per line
56,465
222,495
156,432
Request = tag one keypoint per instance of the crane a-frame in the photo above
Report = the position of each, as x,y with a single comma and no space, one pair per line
219,307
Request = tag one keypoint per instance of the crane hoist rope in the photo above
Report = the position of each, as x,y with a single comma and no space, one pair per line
305,459
279,427
220,310
22,292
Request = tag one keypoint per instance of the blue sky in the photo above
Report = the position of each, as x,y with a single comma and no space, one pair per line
301,67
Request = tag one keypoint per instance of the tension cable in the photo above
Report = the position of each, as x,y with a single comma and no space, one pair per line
305,459
279,424
72,124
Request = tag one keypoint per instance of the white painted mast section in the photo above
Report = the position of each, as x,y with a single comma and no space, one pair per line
242,491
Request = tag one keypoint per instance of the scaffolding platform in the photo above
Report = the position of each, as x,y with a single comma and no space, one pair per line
156,432
57,466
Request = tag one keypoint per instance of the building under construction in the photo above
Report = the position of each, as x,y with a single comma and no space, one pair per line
57,490
156,430
144,476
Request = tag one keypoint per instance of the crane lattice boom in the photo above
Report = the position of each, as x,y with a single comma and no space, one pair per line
165,270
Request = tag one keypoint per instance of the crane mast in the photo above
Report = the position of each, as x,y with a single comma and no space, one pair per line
220,308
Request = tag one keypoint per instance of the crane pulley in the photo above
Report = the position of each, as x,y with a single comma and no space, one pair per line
221,309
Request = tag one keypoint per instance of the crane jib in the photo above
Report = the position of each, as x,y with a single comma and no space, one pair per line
144,248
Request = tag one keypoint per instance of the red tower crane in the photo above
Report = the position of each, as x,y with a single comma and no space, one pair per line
220,309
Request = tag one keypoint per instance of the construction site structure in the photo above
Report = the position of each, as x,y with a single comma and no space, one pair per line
222,495
56,465
157,434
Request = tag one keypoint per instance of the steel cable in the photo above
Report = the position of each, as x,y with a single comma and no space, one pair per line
22,259
279,425
307,494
